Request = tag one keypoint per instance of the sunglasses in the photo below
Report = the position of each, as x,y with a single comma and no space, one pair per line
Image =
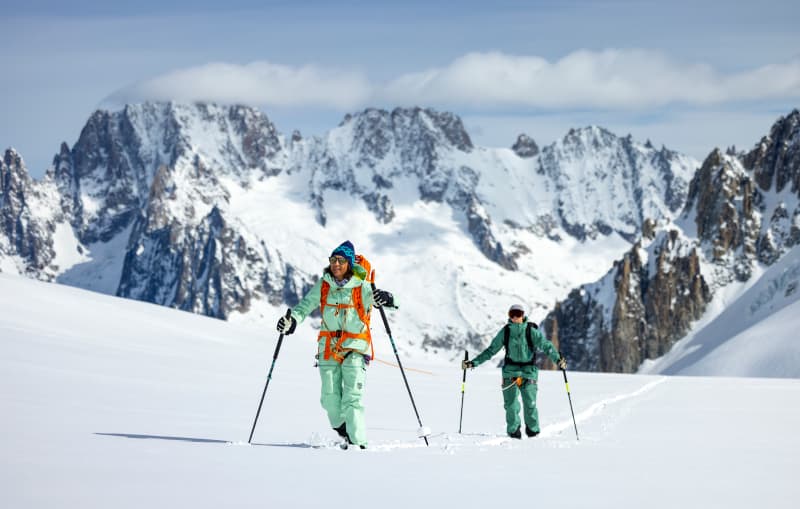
341,260
516,313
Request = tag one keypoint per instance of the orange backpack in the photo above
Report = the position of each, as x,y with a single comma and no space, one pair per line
357,302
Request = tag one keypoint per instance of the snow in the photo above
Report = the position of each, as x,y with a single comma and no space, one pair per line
749,330
116,403
100,267
66,247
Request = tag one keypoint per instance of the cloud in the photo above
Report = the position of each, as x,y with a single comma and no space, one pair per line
610,79
261,83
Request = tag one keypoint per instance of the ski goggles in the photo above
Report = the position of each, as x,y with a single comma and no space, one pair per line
341,260
516,313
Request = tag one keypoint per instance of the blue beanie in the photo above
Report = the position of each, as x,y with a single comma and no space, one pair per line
347,250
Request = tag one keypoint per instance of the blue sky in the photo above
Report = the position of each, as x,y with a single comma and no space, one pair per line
690,75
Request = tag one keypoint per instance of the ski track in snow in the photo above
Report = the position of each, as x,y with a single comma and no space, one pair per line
449,441
597,408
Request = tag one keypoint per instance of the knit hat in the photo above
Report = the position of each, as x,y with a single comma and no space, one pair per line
347,250
516,307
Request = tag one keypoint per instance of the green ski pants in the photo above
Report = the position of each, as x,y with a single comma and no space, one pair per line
342,394
511,393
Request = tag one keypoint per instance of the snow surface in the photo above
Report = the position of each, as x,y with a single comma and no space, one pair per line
116,403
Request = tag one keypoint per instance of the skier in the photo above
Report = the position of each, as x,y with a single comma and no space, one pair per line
521,339
346,299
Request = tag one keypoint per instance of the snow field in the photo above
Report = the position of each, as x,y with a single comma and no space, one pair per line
114,403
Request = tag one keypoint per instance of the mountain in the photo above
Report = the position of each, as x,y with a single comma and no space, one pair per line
751,334
742,215
32,222
210,209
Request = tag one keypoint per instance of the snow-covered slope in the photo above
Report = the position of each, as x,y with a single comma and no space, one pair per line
109,402
753,332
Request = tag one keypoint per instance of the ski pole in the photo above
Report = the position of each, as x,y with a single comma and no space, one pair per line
564,372
269,376
463,383
400,365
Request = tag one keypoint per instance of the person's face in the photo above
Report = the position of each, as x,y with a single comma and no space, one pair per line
516,316
339,266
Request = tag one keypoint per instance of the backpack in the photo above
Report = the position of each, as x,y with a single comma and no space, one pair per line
357,302
528,335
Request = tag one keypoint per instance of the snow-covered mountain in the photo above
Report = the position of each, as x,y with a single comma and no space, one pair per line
742,216
751,333
210,209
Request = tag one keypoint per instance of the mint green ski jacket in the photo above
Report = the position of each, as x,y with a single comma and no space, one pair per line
338,318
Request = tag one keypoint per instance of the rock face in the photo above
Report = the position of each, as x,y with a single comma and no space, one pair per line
740,211
624,184
29,215
525,146
645,304
173,203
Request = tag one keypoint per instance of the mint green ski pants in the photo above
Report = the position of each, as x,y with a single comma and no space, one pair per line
342,396
511,395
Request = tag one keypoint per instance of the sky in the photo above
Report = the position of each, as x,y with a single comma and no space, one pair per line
688,75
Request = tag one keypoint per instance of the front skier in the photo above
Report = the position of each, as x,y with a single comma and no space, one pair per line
521,339
345,297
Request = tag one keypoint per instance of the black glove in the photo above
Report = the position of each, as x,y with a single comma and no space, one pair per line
467,364
562,363
383,298
287,325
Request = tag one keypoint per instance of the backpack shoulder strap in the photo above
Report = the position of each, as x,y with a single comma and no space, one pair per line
323,295
529,337
506,335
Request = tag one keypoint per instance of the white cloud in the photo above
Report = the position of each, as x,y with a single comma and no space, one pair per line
584,79
262,83
610,79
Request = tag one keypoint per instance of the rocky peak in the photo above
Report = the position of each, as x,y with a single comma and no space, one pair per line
525,146
22,232
12,171
112,166
590,138
591,167
656,291
375,132
776,158
259,137
369,149
15,184
721,195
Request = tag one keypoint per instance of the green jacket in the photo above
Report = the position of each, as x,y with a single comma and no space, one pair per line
335,319
518,350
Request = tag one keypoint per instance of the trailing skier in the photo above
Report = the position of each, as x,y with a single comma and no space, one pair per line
521,339
346,298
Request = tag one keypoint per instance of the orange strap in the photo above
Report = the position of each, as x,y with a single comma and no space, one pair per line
336,351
